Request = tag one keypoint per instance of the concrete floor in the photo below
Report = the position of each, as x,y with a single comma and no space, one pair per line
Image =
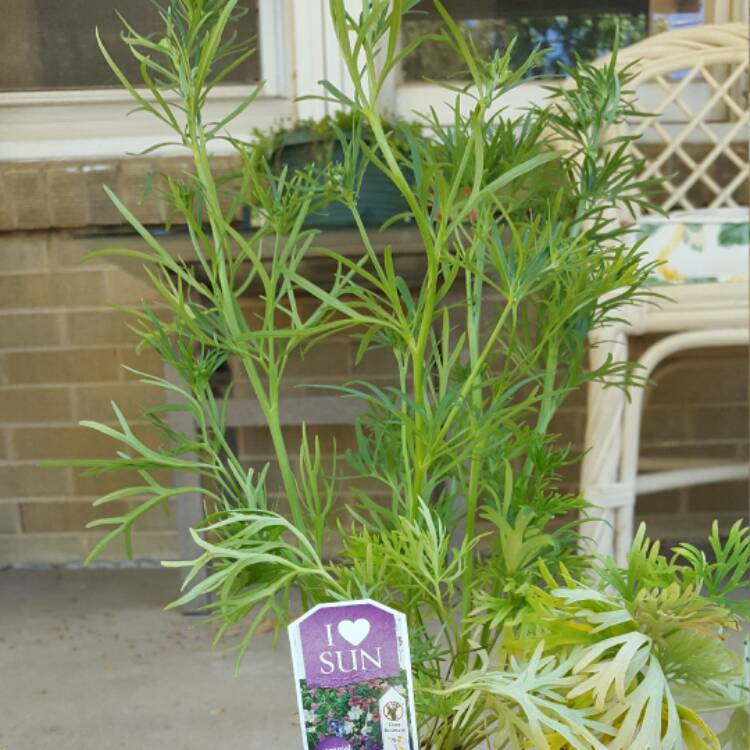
89,661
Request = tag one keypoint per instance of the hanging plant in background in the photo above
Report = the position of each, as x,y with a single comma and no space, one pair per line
312,143
516,638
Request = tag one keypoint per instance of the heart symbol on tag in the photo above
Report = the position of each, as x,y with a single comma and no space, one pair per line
354,632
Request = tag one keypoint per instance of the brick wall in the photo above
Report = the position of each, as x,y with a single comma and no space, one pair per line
62,348
62,351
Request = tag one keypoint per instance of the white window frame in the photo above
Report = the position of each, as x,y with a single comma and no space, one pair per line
94,123
317,56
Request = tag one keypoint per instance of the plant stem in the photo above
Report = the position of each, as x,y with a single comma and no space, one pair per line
474,288
238,327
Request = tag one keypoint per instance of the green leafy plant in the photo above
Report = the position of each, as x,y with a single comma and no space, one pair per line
517,638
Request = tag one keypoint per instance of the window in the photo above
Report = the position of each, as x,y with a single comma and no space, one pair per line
584,27
676,14
566,28
46,47
58,98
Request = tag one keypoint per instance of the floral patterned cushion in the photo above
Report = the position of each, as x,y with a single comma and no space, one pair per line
698,245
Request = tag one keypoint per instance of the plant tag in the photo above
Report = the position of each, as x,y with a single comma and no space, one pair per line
393,720
352,672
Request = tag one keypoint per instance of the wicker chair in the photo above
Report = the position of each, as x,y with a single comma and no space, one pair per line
695,82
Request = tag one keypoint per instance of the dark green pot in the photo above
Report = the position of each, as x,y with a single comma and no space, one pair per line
379,199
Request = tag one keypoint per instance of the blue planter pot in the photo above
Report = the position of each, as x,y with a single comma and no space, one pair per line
379,200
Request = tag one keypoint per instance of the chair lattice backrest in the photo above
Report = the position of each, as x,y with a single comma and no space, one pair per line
695,83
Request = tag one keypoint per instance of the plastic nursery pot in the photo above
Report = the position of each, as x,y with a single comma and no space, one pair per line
379,199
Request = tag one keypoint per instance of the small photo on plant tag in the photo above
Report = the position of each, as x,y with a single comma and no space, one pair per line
352,673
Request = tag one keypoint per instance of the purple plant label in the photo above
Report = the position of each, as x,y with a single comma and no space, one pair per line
347,644
353,674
